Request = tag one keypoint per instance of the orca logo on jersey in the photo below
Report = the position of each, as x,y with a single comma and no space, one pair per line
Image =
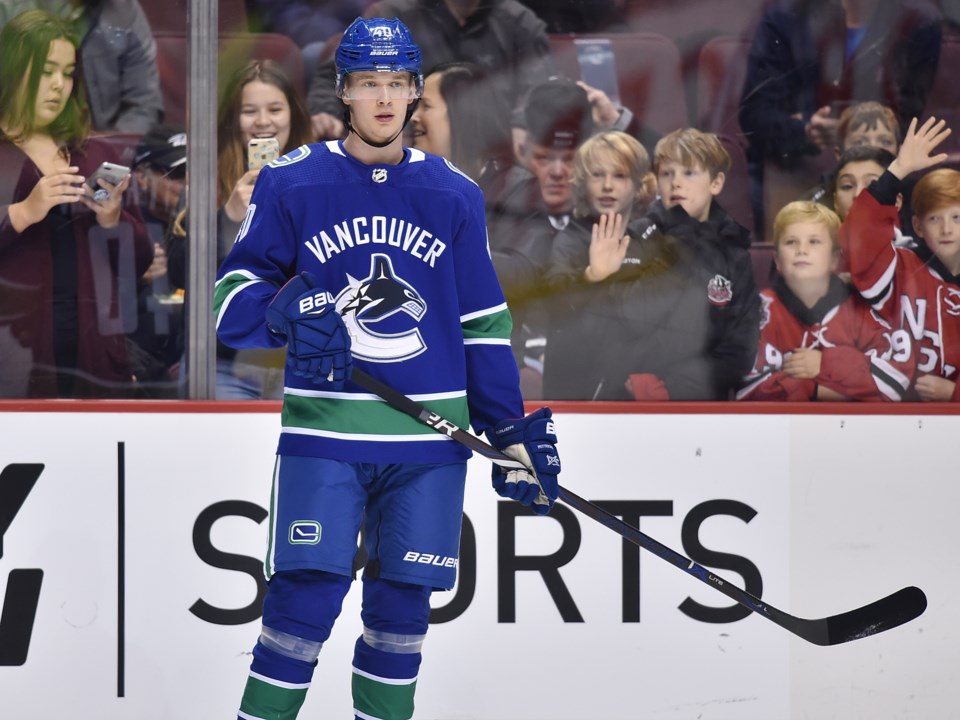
390,304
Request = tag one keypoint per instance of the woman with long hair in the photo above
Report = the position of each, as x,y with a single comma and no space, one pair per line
71,254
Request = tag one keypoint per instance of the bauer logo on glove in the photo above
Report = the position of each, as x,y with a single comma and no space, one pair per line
318,343
533,441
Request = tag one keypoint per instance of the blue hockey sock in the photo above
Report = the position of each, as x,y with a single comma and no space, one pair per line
298,615
386,658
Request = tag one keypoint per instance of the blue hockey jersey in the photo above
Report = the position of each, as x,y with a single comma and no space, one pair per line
403,251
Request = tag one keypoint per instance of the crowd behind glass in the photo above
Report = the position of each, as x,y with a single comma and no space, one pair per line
673,190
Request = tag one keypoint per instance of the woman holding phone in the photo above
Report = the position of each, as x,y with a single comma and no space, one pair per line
70,254
261,116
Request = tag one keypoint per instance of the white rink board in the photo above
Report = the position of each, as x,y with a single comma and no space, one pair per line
847,509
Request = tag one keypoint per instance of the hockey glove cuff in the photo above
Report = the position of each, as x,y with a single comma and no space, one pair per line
533,441
318,343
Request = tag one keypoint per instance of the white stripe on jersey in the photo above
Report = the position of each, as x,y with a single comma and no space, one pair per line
480,313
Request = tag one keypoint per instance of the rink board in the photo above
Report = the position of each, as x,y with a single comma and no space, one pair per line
148,530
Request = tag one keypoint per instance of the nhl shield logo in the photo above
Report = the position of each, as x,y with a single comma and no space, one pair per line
379,175
719,290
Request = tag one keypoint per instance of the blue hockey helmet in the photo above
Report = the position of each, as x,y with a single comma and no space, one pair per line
380,45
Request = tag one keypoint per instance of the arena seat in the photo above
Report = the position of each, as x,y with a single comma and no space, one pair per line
648,72
123,144
235,49
721,70
761,257
735,196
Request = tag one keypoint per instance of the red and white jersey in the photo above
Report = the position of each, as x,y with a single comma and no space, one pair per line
902,289
862,358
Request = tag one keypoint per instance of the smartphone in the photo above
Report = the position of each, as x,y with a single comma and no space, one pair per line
113,174
261,152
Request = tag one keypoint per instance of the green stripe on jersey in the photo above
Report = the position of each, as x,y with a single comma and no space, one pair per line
497,325
221,291
382,701
362,416
270,702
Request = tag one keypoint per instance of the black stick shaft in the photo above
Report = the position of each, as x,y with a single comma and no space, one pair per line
883,614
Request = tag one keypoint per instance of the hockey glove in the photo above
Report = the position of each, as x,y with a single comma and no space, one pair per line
318,344
533,441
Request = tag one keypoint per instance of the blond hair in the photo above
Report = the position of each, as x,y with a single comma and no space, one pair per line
622,152
806,211
691,147
935,190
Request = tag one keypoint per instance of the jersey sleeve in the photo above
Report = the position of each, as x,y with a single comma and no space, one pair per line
493,380
261,261
866,240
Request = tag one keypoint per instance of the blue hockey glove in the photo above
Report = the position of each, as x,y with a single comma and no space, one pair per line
318,344
533,441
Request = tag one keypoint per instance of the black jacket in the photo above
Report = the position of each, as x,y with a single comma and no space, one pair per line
683,306
797,64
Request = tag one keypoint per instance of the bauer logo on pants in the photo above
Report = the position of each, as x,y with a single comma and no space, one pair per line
304,532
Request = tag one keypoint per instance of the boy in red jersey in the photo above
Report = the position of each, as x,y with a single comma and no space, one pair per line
902,286
817,341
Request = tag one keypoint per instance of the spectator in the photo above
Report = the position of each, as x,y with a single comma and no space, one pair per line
159,172
459,118
612,184
684,296
817,340
856,169
866,124
503,36
78,258
906,289
534,206
259,102
309,23
812,58
118,56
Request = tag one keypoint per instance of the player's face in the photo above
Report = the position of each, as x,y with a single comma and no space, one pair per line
806,252
610,189
879,136
940,229
56,82
378,101
553,169
431,122
852,179
264,113
691,188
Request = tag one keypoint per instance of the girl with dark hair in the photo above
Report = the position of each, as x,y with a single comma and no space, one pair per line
70,257
462,119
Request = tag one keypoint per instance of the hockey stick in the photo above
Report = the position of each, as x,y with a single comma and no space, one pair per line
884,614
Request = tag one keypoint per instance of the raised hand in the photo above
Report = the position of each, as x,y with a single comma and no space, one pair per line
918,144
608,247
50,190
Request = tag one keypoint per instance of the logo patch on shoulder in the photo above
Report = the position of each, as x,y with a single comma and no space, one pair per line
719,290
304,532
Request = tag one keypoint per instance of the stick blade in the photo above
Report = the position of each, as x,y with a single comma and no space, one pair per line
877,617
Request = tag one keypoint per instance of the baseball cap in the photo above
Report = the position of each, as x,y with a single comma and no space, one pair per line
164,147
558,114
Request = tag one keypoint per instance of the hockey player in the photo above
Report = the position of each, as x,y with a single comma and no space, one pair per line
903,287
366,252
817,340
